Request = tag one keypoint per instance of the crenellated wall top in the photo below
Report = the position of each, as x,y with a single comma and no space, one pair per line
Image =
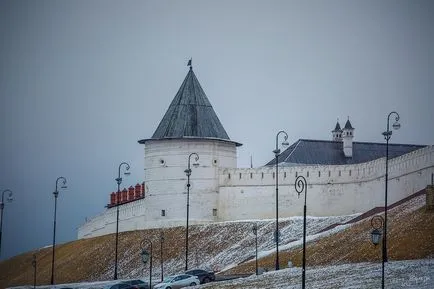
328,174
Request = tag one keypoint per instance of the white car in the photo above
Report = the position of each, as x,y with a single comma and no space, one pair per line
178,281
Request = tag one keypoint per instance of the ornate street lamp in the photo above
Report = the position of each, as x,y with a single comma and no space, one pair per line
2,206
56,194
147,256
300,187
161,253
255,231
188,173
387,134
34,270
276,154
376,224
119,182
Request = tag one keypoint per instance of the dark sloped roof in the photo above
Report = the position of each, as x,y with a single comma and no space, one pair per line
190,115
337,127
319,152
348,125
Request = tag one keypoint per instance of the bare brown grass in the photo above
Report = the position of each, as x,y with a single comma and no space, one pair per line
411,236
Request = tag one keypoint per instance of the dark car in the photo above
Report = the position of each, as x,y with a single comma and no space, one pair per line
203,275
122,286
137,283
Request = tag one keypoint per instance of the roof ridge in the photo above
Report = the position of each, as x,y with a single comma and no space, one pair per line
293,150
363,142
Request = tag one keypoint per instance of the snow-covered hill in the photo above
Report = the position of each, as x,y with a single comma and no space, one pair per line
345,253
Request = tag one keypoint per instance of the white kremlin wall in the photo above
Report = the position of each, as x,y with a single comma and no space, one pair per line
221,192
332,190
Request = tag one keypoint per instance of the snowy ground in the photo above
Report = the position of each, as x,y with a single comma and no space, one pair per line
398,274
232,243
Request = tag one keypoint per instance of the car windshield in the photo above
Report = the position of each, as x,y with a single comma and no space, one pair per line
168,279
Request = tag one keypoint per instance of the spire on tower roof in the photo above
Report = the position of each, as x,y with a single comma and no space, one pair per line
190,63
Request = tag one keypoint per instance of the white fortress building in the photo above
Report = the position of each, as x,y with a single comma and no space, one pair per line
344,177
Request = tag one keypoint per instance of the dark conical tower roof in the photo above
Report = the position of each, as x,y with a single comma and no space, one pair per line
337,127
190,115
348,125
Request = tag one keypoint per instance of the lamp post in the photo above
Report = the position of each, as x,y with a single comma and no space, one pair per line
147,256
276,153
387,134
161,254
255,231
34,270
56,194
188,173
300,187
2,206
377,223
119,182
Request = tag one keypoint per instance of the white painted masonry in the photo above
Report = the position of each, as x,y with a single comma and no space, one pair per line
221,192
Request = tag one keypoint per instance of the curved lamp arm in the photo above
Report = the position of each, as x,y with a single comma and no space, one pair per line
127,167
9,199
277,150
63,180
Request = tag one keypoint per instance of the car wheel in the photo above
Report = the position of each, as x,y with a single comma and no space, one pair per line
192,284
206,280
168,287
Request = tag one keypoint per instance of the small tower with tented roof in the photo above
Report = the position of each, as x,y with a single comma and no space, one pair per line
337,132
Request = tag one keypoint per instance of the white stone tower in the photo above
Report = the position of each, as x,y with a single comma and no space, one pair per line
347,135
190,125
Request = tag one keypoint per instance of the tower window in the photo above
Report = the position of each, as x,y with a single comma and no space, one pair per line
251,175
240,176
284,174
319,173
274,175
296,174
307,174
229,176
339,173
163,213
329,173
349,173
214,212
262,175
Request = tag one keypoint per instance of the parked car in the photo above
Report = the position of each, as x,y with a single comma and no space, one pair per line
178,281
120,285
137,283
203,275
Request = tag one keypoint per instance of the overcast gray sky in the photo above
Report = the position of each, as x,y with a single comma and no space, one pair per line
82,81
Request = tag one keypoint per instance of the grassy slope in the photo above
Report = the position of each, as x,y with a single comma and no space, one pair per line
411,236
